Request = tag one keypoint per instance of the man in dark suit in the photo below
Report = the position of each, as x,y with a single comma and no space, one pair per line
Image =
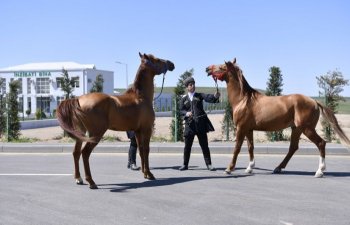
196,121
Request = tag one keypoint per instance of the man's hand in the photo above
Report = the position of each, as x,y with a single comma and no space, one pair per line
217,94
189,114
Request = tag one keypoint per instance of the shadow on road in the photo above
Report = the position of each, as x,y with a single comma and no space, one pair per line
308,173
162,182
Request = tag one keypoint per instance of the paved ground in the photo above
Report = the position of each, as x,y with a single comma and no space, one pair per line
38,188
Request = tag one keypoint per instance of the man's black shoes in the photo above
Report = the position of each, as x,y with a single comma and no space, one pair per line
210,167
184,167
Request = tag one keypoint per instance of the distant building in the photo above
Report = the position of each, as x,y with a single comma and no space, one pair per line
40,83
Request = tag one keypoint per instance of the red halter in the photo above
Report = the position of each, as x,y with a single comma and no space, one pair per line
217,75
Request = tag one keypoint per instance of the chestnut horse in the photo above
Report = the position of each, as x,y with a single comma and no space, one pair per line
88,117
253,110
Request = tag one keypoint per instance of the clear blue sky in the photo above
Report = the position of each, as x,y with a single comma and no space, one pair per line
304,38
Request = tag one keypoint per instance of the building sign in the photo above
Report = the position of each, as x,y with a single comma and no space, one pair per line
32,74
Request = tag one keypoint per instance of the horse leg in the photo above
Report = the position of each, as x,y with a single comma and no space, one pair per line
139,141
147,173
86,152
237,149
76,157
250,142
144,148
293,147
321,145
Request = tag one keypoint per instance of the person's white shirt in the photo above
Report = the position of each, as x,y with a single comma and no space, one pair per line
190,95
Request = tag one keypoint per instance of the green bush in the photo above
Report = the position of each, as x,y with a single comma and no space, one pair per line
40,114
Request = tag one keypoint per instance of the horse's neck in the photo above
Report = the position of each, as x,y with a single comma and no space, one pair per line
144,85
234,93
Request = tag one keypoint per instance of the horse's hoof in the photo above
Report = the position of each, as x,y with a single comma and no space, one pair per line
249,170
227,172
79,181
93,186
149,177
319,174
277,170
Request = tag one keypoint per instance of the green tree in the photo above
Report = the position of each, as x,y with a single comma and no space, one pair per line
98,84
12,102
68,88
2,107
227,124
274,88
67,85
176,127
332,85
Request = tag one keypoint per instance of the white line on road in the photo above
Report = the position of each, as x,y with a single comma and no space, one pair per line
35,174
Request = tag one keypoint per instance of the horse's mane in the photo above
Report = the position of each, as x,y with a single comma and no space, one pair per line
136,85
246,89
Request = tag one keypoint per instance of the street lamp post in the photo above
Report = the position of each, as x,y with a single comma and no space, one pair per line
126,74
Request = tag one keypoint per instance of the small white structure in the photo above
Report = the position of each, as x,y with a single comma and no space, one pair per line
40,83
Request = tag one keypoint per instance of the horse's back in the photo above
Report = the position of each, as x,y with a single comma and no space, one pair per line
91,100
278,112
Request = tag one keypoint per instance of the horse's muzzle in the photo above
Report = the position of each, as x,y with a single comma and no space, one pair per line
208,71
170,65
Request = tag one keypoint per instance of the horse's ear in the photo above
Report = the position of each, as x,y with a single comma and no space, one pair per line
145,56
234,60
140,54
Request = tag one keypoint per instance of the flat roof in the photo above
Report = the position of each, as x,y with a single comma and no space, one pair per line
48,66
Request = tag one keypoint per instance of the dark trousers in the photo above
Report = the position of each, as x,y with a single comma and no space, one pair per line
203,142
132,151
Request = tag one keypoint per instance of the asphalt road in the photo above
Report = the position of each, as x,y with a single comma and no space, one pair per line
38,188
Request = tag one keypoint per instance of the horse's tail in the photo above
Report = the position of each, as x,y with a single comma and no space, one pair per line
328,114
70,117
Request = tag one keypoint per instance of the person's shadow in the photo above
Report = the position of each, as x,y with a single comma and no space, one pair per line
121,187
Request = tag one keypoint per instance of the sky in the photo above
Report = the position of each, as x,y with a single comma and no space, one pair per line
305,39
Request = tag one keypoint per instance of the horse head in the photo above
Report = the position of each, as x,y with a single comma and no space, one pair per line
158,66
231,73
220,71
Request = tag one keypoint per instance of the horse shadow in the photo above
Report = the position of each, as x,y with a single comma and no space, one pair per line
203,168
121,187
310,173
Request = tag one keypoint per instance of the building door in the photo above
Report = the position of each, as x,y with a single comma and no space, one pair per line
43,103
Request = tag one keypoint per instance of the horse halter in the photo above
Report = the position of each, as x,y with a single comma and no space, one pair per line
218,75
158,70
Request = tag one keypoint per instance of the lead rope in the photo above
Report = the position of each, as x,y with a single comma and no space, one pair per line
161,90
217,90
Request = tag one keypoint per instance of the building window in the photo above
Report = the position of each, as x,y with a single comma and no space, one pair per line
58,81
20,104
43,103
20,89
3,86
59,100
29,103
42,86
75,82
29,86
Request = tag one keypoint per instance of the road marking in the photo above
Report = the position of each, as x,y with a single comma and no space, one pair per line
286,223
35,174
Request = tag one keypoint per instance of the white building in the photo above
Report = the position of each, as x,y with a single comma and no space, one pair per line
40,83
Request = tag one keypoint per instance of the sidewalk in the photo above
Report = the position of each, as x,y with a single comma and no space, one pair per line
171,147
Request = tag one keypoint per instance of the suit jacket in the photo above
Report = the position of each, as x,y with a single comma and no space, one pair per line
199,122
